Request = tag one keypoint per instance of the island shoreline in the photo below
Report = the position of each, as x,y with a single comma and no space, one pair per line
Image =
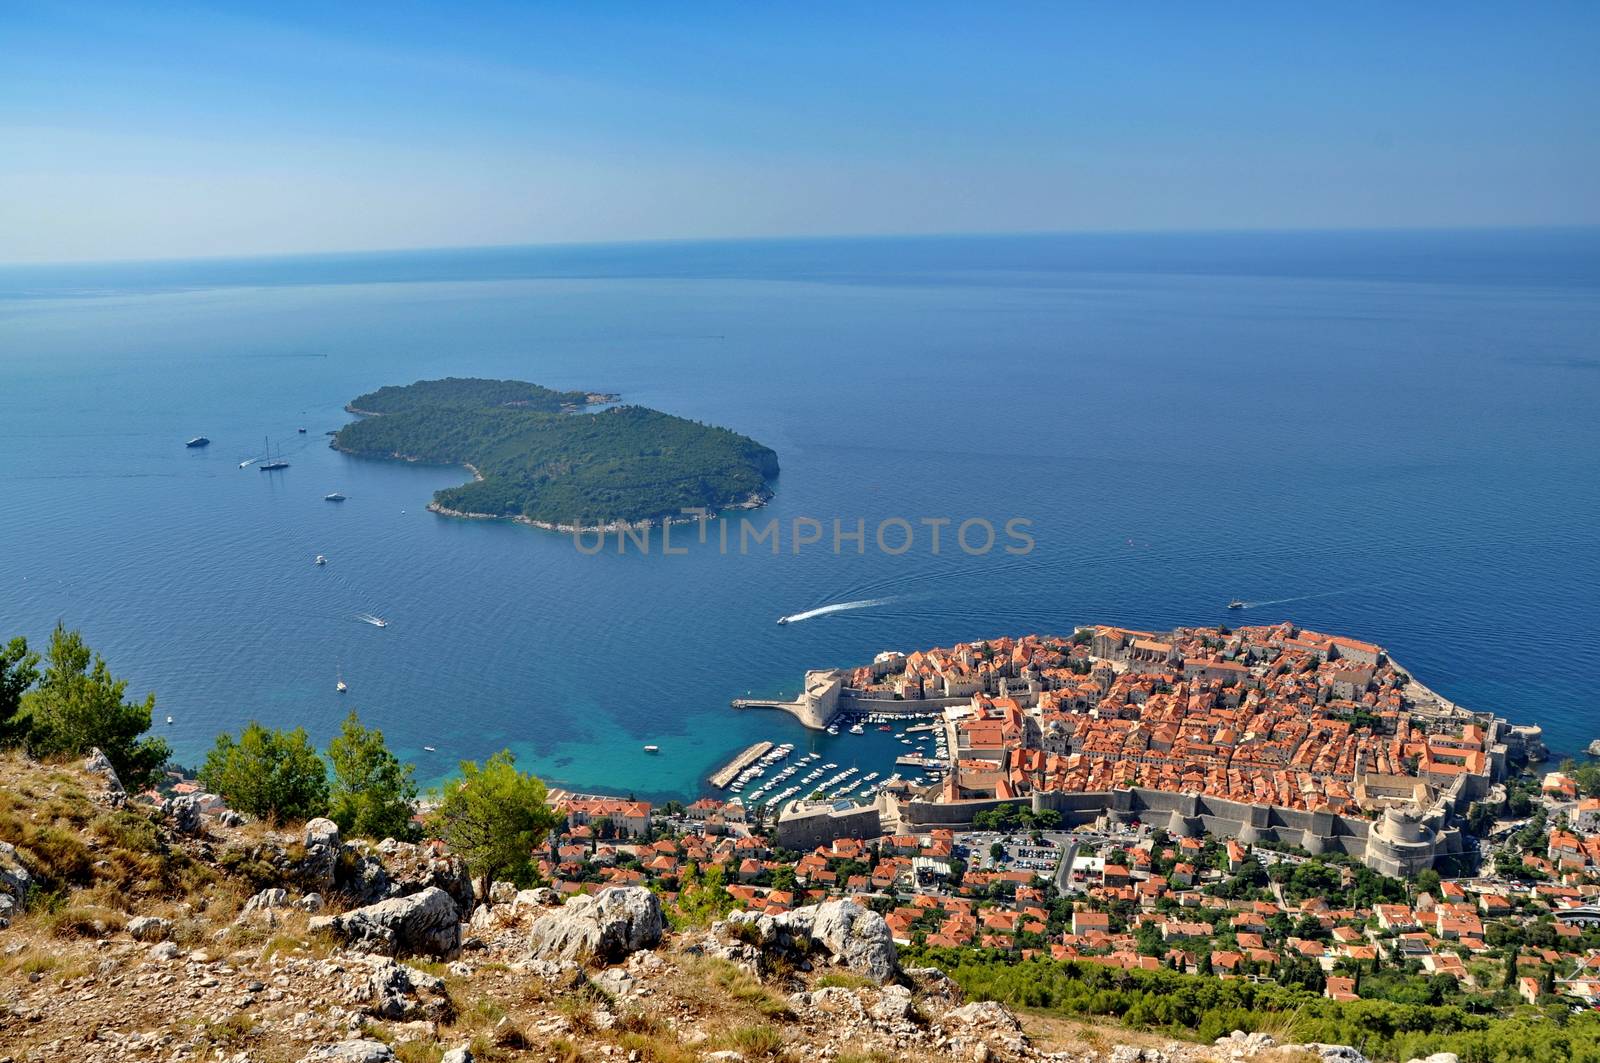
755,500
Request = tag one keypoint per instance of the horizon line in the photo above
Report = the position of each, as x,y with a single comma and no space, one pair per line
269,256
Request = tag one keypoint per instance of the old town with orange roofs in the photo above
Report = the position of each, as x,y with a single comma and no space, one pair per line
1260,802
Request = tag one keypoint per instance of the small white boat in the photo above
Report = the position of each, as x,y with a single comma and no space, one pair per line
169,719
340,686
652,749
333,496
321,560
429,749
369,618
857,729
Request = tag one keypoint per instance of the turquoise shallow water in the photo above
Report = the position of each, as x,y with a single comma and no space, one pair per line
1388,436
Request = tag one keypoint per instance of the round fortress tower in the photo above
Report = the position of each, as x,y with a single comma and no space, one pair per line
1400,844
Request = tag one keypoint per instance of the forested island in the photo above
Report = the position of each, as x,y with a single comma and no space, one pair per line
547,458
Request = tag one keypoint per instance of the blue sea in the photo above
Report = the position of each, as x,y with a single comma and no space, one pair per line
1389,435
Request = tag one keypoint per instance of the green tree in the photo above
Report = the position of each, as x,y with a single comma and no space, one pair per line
373,794
1511,969
493,816
703,896
1428,880
18,671
78,706
276,775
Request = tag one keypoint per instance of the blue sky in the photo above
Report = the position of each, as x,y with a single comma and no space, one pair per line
135,131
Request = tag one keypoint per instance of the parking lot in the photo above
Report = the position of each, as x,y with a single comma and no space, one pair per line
1022,853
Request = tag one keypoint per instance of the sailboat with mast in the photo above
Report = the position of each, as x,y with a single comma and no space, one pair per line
270,463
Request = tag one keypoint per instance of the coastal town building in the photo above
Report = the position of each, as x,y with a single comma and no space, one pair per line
1262,733
625,818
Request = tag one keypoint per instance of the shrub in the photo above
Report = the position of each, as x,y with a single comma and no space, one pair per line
274,774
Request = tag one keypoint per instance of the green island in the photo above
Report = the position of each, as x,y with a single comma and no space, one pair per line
547,458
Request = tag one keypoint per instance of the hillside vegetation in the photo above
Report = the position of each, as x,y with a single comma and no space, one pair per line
139,936
1211,1007
541,461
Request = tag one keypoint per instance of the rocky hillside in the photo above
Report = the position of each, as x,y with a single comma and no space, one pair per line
136,933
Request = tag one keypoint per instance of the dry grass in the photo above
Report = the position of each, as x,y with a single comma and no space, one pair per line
1282,1026
842,980
656,1048
81,920
1055,1033
561,1050
872,1056
230,1034
754,1042
720,982
299,945
418,1052
29,963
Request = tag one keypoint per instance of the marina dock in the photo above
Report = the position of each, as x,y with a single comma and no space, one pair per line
731,772
912,760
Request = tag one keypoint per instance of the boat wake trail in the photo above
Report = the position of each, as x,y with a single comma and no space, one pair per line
840,607
1301,597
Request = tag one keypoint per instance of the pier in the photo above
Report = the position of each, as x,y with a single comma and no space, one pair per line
765,703
731,772
912,760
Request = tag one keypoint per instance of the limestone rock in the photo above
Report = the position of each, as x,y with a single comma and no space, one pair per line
895,1005
530,900
614,981
149,928
362,878
1330,1053
184,811
1242,1045
607,926
414,868
853,936
990,1013
933,985
261,905
322,832
360,1051
320,866
425,923
16,881
988,1022
99,764
400,992
457,1055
